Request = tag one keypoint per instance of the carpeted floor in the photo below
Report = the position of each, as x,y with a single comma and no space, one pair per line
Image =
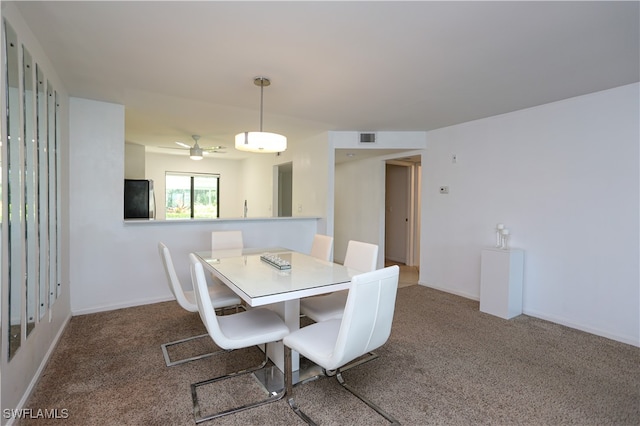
446,363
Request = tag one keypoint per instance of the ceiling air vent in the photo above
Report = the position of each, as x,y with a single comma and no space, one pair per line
367,138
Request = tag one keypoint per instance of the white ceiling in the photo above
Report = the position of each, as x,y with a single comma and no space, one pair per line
184,68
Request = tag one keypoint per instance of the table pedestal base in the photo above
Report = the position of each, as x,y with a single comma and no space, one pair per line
272,379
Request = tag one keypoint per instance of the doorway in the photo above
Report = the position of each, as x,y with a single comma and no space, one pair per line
283,190
402,211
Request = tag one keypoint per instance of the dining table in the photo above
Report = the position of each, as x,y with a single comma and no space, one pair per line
276,278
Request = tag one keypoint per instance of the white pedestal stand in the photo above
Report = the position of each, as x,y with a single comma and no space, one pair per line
501,282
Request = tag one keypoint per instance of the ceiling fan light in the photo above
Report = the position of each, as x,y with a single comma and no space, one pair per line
263,142
195,153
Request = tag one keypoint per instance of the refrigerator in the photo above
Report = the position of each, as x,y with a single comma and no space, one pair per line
139,199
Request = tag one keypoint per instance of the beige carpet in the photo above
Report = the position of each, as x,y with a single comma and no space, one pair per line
446,363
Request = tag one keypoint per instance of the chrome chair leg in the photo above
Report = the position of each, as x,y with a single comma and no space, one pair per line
171,363
370,357
274,396
364,399
288,379
303,416
338,373
165,346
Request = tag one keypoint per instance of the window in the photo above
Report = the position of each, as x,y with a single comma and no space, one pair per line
192,195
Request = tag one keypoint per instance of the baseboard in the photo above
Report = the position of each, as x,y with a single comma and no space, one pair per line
113,307
630,340
448,290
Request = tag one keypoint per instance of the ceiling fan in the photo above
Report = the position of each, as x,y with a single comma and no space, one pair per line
196,152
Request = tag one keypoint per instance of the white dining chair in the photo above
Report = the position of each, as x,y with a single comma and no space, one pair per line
258,326
360,256
222,296
321,247
365,326
224,240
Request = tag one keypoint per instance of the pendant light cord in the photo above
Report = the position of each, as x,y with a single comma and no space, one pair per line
261,100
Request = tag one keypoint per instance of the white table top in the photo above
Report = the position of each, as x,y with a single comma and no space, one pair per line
258,283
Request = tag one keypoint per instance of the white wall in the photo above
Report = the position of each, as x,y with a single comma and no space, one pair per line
96,205
359,205
564,178
311,169
257,185
134,161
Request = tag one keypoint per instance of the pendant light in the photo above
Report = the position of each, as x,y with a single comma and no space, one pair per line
261,141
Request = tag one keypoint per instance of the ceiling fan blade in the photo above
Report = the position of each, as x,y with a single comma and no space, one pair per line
215,148
184,145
